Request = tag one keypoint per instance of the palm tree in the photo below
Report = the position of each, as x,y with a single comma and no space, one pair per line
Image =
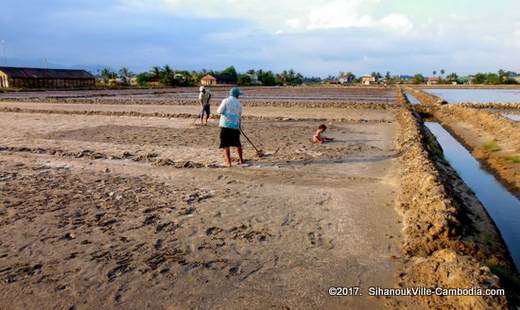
434,73
156,72
442,72
125,75
167,70
107,74
167,75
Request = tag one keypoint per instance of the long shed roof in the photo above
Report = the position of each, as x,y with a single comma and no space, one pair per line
39,73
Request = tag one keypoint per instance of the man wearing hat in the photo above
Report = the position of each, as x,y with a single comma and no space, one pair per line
204,97
230,112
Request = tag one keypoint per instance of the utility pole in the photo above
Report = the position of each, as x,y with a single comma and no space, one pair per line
2,47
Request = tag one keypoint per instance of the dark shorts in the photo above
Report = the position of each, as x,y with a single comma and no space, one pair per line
205,110
229,137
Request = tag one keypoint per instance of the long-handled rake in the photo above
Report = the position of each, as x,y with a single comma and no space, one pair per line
199,117
259,153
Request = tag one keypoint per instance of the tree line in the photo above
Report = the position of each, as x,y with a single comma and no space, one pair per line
489,78
167,76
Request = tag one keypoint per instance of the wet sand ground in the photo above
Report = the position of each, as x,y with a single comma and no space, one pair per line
112,233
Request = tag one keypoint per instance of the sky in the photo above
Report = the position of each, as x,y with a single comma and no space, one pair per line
315,37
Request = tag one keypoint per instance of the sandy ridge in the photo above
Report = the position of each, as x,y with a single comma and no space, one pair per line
180,115
245,102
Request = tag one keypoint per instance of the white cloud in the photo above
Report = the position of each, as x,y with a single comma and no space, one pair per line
397,22
338,14
287,15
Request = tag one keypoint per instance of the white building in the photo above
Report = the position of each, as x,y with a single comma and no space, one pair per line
368,80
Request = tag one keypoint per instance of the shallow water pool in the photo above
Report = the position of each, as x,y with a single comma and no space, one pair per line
502,206
515,117
412,99
476,95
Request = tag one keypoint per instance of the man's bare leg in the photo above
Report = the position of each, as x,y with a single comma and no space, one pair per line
207,116
227,157
239,152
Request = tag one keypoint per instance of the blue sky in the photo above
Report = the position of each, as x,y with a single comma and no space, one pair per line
316,37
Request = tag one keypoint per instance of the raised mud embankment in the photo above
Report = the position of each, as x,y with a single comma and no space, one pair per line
401,98
182,115
473,86
149,157
491,138
491,105
424,97
432,100
249,103
445,227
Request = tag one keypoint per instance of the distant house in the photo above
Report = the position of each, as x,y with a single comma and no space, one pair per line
154,81
433,80
18,77
254,79
133,81
208,80
368,80
346,79
517,78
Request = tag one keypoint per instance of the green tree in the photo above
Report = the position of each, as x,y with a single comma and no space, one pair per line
290,78
510,81
452,77
244,80
143,78
312,80
493,79
348,75
184,78
156,72
479,78
266,77
107,74
351,76
125,75
434,72
167,76
228,75
419,79
377,75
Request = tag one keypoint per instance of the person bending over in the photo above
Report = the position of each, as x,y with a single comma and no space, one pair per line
204,98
